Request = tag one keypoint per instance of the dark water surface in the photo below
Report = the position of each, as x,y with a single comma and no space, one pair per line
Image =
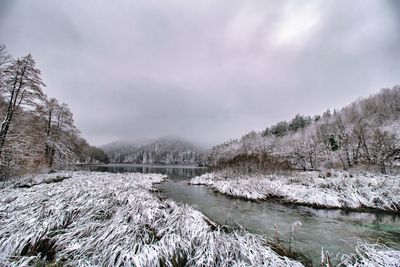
335,230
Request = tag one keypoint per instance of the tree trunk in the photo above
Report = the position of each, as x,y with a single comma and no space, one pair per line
383,168
51,157
348,156
366,150
4,130
12,105
311,161
343,163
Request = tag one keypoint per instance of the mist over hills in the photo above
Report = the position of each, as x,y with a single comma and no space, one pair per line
164,150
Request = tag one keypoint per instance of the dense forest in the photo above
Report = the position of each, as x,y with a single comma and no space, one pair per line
364,134
164,150
36,132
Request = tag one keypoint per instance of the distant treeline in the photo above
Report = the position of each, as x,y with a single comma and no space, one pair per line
168,157
165,150
36,132
364,134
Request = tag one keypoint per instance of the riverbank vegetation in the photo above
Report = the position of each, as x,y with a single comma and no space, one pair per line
367,255
103,219
36,132
342,190
363,135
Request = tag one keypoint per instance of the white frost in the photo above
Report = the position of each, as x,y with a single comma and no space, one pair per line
102,219
372,255
341,190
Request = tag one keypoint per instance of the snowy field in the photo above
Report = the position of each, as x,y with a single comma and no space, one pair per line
339,190
103,219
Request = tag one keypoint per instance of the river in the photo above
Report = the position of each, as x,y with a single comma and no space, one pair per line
336,231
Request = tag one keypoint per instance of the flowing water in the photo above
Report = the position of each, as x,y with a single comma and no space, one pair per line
335,230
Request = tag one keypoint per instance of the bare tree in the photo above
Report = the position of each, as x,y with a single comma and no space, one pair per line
384,148
63,136
49,111
22,88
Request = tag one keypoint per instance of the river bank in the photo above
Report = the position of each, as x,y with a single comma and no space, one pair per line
341,190
92,219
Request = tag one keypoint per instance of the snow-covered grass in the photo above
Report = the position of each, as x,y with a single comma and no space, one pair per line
34,179
367,255
103,219
339,190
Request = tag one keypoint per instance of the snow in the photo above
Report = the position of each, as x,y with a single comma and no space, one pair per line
103,219
340,190
34,179
372,255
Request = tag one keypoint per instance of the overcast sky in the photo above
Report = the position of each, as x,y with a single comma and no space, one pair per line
205,70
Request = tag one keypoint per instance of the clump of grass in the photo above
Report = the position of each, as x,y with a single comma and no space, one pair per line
325,259
371,255
29,181
287,248
43,247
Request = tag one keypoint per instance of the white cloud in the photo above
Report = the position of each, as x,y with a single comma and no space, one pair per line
298,21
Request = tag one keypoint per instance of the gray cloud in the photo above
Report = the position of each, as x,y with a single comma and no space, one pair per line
204,70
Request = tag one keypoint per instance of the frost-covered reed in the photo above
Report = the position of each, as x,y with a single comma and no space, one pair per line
376,255
102,219
340,190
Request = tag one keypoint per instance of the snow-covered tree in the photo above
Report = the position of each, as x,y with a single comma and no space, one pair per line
365,133
35,132
5,60
22,88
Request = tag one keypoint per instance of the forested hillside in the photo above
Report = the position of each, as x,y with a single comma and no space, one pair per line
364,134
36,131
165,150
